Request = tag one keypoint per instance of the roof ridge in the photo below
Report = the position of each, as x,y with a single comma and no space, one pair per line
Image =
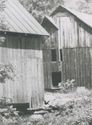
84,17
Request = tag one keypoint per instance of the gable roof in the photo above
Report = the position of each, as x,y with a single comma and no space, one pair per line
19,20
50,20
85,18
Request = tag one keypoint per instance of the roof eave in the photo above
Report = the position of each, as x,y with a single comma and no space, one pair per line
10,32
46,19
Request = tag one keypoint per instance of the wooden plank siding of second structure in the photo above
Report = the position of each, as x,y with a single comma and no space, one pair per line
75,40
50,52
25,54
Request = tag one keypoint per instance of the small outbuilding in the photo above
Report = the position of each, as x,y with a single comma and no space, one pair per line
71,56
21,45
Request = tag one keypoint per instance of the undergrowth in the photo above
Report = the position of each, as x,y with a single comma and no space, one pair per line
76,111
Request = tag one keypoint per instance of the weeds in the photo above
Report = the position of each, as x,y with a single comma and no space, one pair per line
67,86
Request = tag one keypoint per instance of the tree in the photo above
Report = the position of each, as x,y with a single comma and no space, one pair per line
3,23
39,8
82,5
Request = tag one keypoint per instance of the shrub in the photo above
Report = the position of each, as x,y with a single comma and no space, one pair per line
6,72
67,86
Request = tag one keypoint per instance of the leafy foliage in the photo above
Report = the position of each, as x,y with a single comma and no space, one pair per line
76,110
2,5
67,86
3,23
6,72
39,8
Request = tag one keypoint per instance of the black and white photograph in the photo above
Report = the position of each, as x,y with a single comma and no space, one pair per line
45,62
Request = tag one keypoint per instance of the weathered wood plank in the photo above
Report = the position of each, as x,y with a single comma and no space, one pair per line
25,54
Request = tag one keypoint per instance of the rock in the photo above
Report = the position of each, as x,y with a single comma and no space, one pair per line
36,118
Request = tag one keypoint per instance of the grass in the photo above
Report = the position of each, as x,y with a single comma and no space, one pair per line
73,108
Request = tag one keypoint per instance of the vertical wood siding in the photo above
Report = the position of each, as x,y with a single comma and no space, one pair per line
75,38
77,65
25,54
49,65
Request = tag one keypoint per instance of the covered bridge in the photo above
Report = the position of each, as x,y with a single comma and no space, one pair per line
21,45
69,48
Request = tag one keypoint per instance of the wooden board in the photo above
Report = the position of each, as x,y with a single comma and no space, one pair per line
25,54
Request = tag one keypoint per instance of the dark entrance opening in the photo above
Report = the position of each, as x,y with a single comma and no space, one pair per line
56,78
20,106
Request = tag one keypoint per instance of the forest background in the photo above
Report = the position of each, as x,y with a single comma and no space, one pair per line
39,8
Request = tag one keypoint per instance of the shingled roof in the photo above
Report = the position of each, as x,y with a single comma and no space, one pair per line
19,20
85,18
